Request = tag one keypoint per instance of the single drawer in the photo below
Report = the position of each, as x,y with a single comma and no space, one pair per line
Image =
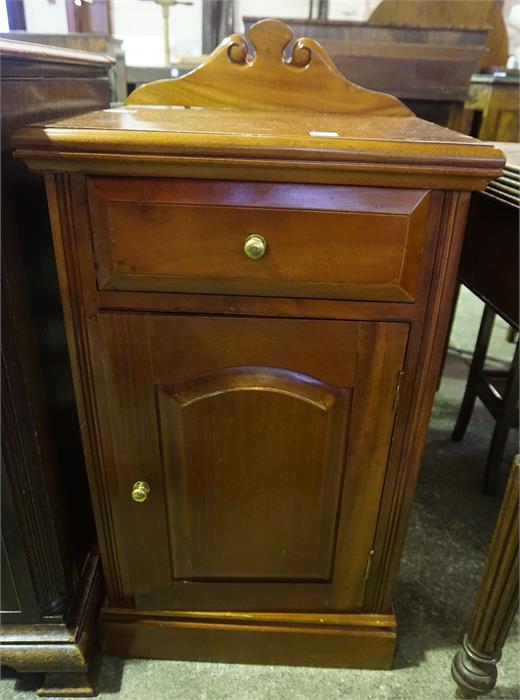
321,241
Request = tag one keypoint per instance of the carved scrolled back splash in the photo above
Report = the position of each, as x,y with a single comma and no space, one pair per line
262,74
269,45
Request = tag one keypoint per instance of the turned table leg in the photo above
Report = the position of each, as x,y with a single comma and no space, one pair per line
474,666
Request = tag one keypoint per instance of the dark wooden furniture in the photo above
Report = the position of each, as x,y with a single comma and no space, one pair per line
489,268
483,15
89,16
493,103
474,667
51,585
257,297
428,69
98,43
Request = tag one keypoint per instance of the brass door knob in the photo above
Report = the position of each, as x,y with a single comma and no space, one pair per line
255,246
140,491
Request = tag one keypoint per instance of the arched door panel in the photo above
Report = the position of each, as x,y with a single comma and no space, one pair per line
253,459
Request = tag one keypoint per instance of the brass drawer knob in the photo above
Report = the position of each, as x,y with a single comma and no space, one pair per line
140,491
255,246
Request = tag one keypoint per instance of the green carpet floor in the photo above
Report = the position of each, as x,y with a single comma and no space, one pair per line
449,532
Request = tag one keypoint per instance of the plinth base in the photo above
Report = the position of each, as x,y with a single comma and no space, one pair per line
294,639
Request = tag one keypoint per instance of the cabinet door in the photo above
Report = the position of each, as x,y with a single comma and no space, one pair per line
264,443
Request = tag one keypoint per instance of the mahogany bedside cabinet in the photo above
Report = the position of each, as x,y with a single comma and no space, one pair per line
257,262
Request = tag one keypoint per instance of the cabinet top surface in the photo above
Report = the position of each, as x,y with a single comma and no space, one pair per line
260,105
322,130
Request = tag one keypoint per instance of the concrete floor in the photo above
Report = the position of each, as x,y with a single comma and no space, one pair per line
450,529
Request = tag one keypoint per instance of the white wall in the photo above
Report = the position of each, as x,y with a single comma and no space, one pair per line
140,24
4,22
513,26
297,9
351,10
45,17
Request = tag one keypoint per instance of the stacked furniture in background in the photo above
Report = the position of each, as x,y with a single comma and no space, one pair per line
97,43
51,582
428,69
422,52
493,106
483,15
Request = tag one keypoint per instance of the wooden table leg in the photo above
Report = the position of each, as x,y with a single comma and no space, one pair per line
477,366
474,666
504,421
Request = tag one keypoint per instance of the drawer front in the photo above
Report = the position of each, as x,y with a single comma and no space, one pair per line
321,241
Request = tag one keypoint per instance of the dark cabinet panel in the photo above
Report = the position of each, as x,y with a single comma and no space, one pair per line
50,581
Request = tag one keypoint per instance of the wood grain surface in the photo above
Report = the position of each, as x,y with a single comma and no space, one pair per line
326,242
247,417
275,146
278,424
266,78
484,14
